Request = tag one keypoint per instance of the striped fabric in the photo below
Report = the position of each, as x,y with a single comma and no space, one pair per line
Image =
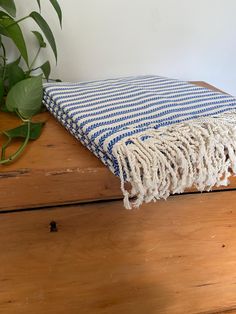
102,114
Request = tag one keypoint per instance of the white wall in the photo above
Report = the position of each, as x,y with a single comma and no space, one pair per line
186,39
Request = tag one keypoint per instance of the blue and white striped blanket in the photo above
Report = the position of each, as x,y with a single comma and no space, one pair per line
161,135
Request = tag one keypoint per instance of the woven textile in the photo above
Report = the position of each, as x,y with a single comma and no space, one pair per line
162,135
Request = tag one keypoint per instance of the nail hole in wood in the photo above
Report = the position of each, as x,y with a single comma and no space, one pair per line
53,226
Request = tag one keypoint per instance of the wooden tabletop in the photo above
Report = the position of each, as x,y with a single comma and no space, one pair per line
170,257
56,169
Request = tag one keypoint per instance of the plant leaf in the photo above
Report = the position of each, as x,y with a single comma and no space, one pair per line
57,8
14,73
9,28
3,31
46,68
9,6
21,131
40,39
25,97
46,30
39,4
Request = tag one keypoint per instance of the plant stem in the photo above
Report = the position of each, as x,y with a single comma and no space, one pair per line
51,79
4,62
35,58
35,69
18,21
20,149
4,147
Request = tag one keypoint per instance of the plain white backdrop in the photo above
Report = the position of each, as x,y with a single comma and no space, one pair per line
186,39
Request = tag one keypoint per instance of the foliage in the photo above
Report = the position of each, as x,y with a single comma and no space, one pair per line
21,81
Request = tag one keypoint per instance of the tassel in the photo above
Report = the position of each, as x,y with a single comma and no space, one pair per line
199,153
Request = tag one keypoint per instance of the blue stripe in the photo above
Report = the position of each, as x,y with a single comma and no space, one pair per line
127,107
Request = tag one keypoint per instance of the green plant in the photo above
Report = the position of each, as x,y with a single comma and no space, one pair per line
21,81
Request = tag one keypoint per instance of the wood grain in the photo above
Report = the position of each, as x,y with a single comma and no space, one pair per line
53,163
175,257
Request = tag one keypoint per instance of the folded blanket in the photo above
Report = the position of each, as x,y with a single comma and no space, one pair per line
161,135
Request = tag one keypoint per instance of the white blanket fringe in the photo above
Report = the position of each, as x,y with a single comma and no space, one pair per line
199,153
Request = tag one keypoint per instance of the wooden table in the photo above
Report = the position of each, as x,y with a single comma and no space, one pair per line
172,257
